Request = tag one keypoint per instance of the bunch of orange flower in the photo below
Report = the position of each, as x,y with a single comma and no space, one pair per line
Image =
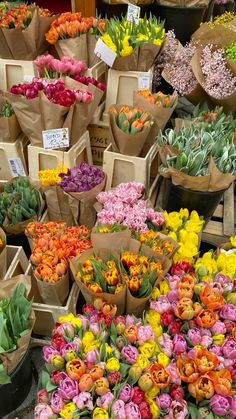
140,273
153,240
19,17
100,276
131,119
71,25
158,99
53,245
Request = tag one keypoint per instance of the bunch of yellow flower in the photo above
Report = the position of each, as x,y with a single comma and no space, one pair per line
210,264
224,20
184,228
51,177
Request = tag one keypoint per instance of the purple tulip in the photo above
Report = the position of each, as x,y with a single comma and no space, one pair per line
68,388
228,312
56,402
125,393
228,348
180,345
132,411
164,401
130,354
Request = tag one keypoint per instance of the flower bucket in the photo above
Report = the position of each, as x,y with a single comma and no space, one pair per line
184,20
13,394
220,9
177,197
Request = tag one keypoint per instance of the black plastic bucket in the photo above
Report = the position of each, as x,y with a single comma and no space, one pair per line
184,20
13,394
19,240
177,197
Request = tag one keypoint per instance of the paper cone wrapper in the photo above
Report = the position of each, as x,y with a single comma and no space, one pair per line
147,55
3,255
9,129
73,47
44,26
92,58
128,144
161,115
81,205
229,102
215,181
129,63
58,205
54,294
151,253
219,35
114,241
12,359
118,299
53,115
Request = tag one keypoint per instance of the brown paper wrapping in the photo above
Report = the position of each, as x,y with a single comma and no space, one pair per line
215,181
114,241
53,116
3,255
54,294
12,359
44,25
81,205
129,63
91,42
73,47
224,246
128,144
229,102
151,253
9,129
147,55
58,205
118,299
219,35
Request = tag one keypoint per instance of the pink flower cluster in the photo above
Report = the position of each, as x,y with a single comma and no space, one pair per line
219,81
180,72
56,92
166,56
123,204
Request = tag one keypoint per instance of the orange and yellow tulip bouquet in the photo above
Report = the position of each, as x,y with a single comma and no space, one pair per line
129,128
22,31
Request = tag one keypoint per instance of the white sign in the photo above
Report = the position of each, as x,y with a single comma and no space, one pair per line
28,78
16,166
144,81
56,138
105,53
133,13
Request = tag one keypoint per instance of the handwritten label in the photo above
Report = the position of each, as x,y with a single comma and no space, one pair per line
16,166
105,53
144,81
28,78
133,13
56,138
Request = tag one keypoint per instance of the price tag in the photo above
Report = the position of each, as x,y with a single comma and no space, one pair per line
133,13
56,138
28,78
16,166
144,81
105,53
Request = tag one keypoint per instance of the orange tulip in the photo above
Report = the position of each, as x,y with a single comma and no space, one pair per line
160,376
96,372
187,369
43,271
50,258
202,388
184,291
213,300
222,382
131,333
101,386
36,257
205,360
184,309
94,287
206,318
75,369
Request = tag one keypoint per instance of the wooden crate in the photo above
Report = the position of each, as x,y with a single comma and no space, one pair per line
40,159
98,72
97,116
121,168
13,157
222,224
17,262
15,72
99,140
121,86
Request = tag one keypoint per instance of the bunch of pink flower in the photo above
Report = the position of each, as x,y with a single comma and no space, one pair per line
56,92
219,80
124,205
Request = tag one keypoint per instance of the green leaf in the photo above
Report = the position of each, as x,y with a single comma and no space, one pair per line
4,378
45,377
50,387
103,352
193,411
113,330
124,368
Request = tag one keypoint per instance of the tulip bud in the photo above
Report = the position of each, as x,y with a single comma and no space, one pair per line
43,396
231,298
145,382
120,327
55,377
70,354
120,343
197,288
57,361
135,372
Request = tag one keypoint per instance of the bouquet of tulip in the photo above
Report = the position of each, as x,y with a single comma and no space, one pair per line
74,36
53,244
103,367
207,163
160,246
136,46
22,32
198,338
50,177
124,205
129,128
50,68
222,89
3,254
158,105
16,322
20,203
80,186
97,272
53,104
9,126
185,229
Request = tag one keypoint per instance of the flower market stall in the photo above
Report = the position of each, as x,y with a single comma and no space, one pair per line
117,221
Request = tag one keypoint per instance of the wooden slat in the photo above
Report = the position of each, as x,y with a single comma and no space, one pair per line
228,222
86,7
219,211
215,228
